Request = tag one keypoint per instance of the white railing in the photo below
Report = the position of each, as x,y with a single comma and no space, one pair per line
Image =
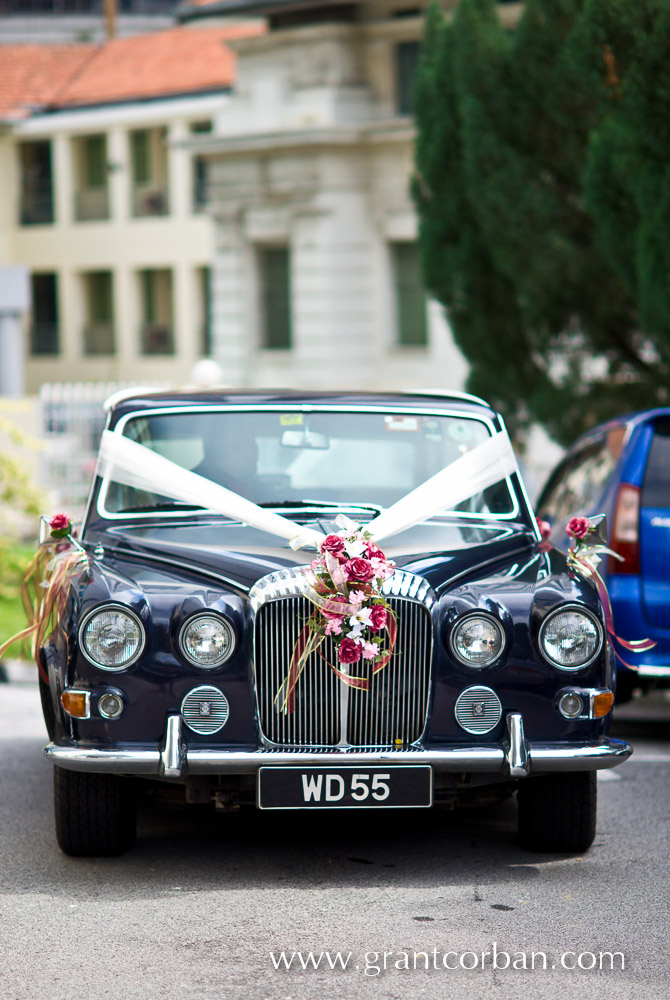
72,419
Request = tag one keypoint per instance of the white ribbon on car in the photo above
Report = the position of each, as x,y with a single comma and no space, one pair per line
132,464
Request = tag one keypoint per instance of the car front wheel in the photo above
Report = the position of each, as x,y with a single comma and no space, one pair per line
557,812
95,813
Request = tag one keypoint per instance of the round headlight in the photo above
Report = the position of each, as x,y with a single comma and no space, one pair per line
477,641
112,638
571,638
207,640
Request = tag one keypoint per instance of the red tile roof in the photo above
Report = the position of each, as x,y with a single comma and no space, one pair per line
32,75
175,61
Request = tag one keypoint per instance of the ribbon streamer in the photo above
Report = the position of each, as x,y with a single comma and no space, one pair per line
585,568
132,464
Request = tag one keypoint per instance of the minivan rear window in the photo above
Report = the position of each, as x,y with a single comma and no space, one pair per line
656,486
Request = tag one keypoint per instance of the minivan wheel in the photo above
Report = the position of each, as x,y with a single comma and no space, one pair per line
557,812
96,814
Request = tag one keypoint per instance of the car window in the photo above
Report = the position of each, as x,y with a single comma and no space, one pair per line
656,485
275,457
579,482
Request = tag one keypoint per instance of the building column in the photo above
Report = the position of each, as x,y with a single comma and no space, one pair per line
62,167
180,184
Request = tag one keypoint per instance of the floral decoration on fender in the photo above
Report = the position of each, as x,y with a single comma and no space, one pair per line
588,544
344,583
43,590
60,526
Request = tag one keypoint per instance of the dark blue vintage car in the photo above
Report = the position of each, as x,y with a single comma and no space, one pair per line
181,618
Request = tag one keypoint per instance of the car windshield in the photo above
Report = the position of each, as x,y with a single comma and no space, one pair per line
279,458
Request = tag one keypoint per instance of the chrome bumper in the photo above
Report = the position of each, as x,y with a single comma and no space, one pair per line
514,757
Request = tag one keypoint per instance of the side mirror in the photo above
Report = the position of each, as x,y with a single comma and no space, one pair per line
45,537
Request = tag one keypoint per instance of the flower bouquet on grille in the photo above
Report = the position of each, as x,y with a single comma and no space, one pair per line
344,584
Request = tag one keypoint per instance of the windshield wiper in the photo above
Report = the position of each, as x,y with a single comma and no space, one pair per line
326,504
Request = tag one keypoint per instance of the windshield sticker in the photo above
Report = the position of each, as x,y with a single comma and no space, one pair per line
431,430
401,423
290,419
460,431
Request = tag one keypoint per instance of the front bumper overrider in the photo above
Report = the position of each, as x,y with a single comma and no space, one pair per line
514,756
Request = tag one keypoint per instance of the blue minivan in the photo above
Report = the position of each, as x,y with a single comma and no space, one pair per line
622,469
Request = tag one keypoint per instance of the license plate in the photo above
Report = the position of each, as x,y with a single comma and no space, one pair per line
345,787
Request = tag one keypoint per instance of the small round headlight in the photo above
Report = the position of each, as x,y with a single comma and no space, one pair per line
207,640
112,637
571,705
110,705
477,640
571,638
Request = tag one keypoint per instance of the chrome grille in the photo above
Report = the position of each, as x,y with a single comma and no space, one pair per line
328,712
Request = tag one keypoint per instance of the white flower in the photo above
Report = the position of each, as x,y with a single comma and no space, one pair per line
354,546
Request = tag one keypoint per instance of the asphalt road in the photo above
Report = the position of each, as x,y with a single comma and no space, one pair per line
198,908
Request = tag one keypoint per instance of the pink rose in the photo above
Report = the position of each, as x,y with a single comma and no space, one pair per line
373,551
335,545
329,611
60,526
359,570
349,651
378,617
370,651
578,527
544,528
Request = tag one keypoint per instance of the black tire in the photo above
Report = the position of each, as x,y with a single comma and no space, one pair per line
96,814
557,812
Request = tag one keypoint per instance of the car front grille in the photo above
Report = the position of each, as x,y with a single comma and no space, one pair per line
327,711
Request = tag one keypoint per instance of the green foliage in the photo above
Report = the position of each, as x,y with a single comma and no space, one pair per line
544,203
17,494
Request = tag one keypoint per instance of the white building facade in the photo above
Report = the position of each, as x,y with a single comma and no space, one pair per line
316,277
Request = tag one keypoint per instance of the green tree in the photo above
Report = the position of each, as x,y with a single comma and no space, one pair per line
17,494
543,207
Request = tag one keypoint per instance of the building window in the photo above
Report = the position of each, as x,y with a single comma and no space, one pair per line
91,195
205,288
37,203
406,60
275,281
44,328
199,183
140,157
156,329
410,298
148,153
99,308
202,126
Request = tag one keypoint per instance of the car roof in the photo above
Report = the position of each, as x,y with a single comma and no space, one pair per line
133,401
631,420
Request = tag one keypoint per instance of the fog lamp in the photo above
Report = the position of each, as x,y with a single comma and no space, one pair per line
110,705
76,703
602,703
571,705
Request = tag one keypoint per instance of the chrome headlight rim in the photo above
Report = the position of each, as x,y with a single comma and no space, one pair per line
129,613
587,613
220,619
463,620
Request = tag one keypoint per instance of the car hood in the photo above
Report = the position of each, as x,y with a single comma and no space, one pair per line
439,550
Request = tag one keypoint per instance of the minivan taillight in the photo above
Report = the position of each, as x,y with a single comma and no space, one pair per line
625,539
